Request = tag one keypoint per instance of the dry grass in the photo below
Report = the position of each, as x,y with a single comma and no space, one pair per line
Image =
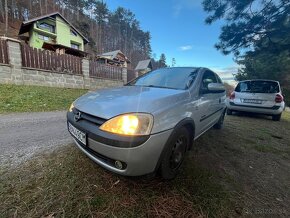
66,183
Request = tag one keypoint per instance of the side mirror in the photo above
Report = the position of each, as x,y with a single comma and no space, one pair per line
216,87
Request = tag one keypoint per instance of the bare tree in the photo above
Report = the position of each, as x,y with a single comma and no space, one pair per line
6,18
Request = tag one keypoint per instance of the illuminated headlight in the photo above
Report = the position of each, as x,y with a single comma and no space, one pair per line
129,124
71,107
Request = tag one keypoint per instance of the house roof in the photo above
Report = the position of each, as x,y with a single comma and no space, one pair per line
113,54
25,26
142,65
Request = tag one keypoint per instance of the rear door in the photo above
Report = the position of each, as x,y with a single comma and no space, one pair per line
257,93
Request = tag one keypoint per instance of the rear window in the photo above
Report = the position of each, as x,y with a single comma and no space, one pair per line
258,87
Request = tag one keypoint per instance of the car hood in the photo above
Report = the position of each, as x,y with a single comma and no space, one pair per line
107,103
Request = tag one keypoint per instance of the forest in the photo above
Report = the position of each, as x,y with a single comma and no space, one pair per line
106,30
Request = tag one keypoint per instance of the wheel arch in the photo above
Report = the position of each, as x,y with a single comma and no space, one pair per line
189,124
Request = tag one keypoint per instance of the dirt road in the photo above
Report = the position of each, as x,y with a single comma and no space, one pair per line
25,134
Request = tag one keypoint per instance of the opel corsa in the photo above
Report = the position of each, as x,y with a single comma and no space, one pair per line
149,124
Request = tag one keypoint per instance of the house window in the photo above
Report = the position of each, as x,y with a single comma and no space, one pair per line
73,33
47,27
75,46
43,37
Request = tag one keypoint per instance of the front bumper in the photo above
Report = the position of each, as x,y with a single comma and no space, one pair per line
138,159
275,110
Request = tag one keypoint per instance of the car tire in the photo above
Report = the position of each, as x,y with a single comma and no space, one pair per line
220,123
276,117
174,154
229,112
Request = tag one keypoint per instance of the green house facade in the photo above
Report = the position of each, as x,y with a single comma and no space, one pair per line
53,31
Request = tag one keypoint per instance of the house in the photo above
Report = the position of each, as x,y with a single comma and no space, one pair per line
116,58
144,67
53,32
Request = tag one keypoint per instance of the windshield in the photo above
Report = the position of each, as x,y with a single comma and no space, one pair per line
172,78
258,87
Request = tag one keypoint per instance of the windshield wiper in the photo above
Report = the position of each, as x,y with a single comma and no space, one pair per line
154,86
162,87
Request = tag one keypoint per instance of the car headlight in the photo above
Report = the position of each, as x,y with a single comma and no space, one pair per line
129,124
71,107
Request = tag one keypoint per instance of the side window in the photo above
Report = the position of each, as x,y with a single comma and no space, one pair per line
208,77
218,79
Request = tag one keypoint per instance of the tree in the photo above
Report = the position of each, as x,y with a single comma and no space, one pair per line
173,62
6,18
249,22
101,15
162,61
264,64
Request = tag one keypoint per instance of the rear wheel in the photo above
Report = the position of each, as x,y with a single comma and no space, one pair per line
229,112
276,117
174,154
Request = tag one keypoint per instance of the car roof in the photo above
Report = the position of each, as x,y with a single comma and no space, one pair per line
195,68
183,67
267,80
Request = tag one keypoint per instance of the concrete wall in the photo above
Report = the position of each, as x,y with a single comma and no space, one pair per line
14,73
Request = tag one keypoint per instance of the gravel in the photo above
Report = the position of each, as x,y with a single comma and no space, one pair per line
23,135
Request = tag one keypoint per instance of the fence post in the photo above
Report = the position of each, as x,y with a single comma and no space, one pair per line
86,73
124,75
14,53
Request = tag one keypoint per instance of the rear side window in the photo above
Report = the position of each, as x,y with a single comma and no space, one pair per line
258,87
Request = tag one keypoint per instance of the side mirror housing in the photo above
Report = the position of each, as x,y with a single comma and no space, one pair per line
216,87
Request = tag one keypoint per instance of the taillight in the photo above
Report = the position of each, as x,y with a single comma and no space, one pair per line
279,98
232,96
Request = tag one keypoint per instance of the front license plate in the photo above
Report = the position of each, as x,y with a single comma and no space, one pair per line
79,135
252,101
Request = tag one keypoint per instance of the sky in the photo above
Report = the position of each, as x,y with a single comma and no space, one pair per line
178,29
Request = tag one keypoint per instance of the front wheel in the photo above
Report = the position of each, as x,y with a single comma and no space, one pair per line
220,123
276,117
174,154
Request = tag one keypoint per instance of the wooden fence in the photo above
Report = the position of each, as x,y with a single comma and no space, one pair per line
99,70
51,61
3,52
131,74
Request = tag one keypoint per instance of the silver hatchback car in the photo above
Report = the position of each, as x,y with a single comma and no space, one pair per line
148,125
257,96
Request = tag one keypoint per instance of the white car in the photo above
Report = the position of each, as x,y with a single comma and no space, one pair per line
257,96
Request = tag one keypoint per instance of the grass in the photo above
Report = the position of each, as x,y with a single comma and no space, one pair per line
66,183
19,98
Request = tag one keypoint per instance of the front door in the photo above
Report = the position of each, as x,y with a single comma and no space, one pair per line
207,103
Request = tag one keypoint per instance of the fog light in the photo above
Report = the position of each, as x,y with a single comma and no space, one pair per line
118,164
